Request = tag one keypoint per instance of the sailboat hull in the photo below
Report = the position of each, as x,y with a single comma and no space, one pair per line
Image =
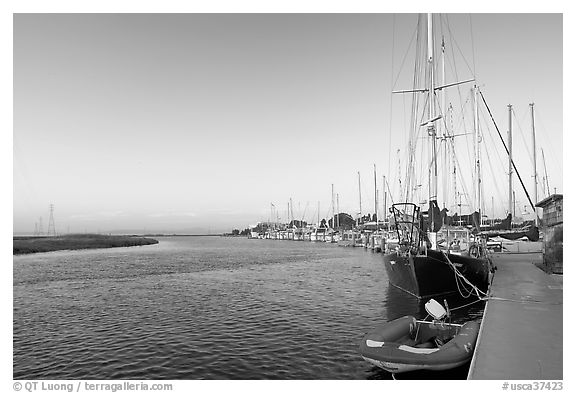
430,275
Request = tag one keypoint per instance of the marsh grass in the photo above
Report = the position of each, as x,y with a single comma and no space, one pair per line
29,244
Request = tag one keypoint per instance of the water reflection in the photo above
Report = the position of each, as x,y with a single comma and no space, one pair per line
202,308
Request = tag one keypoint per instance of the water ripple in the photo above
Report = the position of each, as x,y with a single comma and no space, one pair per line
200,308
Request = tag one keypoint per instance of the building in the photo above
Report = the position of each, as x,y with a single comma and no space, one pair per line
552,226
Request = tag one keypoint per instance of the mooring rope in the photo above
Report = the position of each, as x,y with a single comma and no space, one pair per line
461,280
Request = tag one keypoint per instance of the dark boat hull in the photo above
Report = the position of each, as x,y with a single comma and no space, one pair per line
430,275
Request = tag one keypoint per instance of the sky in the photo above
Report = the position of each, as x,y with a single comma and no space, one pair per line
197,123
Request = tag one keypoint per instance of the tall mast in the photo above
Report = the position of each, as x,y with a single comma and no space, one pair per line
375,197
359,195
477,140
338,210
385,201
333,218
399,173
453,156
534,163
442,127
431,127
510,179
430,123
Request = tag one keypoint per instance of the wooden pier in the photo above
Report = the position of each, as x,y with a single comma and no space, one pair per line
521,333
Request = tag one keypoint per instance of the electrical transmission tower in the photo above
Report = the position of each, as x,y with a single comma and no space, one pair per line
51,226
40,228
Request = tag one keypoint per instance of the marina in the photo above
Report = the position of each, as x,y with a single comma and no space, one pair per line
288,197
524,301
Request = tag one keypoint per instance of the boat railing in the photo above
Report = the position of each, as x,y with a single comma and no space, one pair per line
407,224
440,323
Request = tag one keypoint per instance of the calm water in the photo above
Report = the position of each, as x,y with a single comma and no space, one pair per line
205,308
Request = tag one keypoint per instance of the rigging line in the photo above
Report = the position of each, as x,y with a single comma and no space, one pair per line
462,182
392,88
522,134
493,173
415,126
467,305
461,279
463,103
391,196
458,47
558,169
470,154
547,141
523,139
454,69
507,151
473,52
496,150
461,179
462,116
416,82
405,54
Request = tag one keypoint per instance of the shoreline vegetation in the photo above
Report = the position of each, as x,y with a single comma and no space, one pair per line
35,244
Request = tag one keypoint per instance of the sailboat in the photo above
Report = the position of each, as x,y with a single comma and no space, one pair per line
523,238
417,264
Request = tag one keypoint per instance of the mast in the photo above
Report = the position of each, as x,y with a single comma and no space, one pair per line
333,218
375,197
477,140
429,123
431,126
442,127
510,179
338,209
453,156
385,199
359,195
492,210
399,173
534,163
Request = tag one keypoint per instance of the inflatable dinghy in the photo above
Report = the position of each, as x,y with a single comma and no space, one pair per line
407,344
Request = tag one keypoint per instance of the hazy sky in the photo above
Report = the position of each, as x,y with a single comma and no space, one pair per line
198,122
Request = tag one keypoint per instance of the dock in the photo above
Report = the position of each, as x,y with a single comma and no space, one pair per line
521,333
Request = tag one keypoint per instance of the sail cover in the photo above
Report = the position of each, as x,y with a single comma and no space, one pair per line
434,217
